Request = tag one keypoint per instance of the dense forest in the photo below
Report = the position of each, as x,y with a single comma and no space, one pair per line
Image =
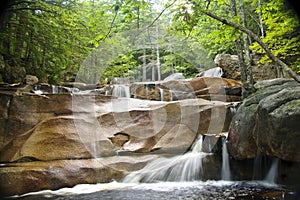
52,39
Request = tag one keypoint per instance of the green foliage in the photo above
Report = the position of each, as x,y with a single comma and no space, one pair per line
44,37
282,33
53,38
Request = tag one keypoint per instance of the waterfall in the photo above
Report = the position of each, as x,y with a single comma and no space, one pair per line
226,175
37,89
54,89
271,177
161,91
197,146
121,91
213,72
187,167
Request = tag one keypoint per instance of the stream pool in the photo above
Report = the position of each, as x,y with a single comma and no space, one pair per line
214,190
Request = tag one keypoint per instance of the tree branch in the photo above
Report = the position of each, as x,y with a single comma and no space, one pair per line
111,26
158,16
284,66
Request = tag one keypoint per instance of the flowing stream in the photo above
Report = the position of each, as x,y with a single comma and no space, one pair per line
181,168
177,177
121,91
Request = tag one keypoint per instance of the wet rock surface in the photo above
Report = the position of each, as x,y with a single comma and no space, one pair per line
268,122
20,178
50,138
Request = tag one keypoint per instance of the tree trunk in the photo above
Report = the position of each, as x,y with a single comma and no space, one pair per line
283,65
239,49
262,32
157,56
248,59
144,66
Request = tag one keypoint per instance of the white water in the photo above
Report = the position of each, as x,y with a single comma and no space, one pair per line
187,167
161,91
54,89
91,188
214,72
226,174
37,89
121,91
271,176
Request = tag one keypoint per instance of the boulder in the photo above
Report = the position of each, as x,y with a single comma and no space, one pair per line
31,80
68,126
175,76
276,131
53,140
230,65
58,138
266,122
176,140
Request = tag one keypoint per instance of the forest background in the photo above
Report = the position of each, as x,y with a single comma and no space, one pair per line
51,38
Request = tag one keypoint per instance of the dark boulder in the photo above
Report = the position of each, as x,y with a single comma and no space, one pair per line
267,122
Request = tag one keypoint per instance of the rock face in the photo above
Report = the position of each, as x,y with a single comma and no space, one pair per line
52,140
267,122
20,178
73,131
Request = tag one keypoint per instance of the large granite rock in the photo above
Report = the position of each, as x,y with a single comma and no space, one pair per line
50,139
90,126
267,122
20,178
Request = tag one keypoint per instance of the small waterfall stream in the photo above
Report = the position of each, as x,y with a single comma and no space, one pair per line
187,167
161,91
226,175
54,89
37,89
271,176
121,91
213,72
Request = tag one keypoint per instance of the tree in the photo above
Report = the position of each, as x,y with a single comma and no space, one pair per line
50,38
218,11
268,52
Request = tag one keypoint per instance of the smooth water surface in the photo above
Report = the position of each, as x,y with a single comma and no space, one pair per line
167,190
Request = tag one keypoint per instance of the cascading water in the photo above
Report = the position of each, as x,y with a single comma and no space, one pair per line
37,89
161,91
271,176
226,175
54,89
213,72
187,167
121,91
